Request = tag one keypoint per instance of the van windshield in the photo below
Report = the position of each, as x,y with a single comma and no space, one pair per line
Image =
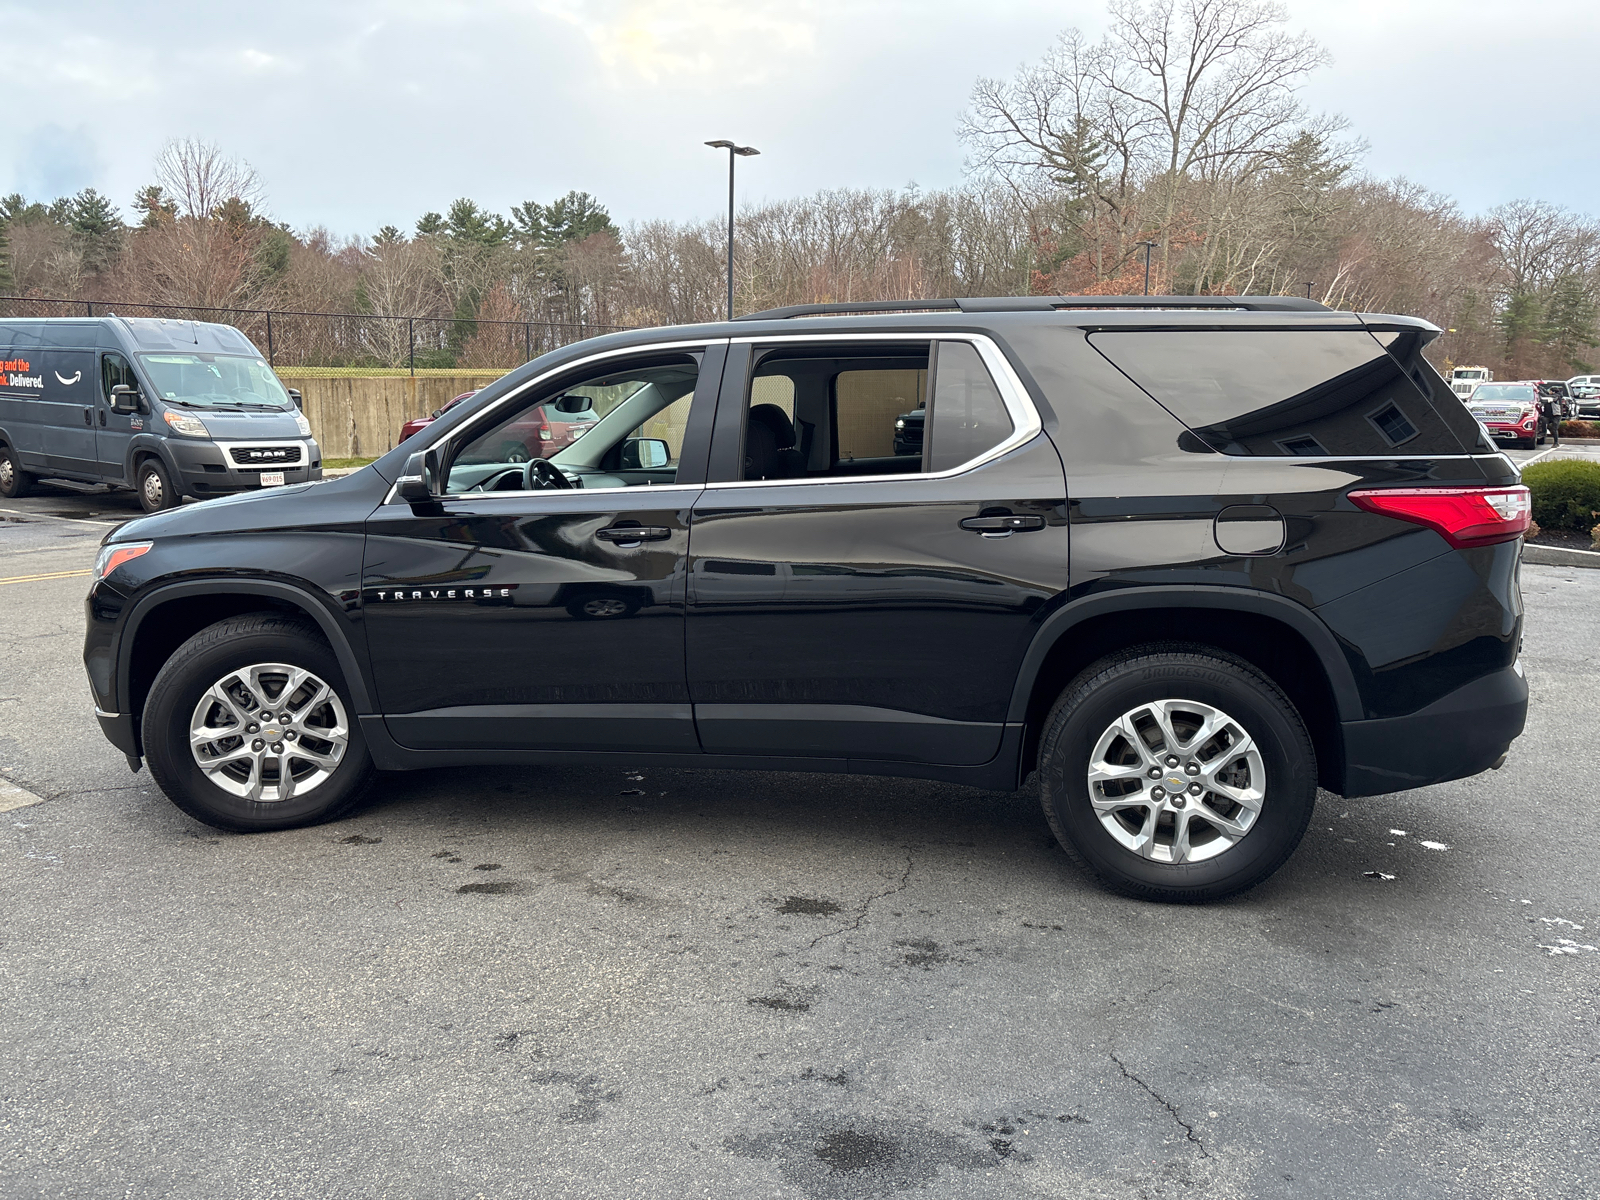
215,381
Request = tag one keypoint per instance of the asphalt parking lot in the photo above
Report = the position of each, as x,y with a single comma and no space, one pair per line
585,983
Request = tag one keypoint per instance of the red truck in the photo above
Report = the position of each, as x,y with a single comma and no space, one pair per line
545,429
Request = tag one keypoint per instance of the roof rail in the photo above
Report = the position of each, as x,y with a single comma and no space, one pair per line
989,304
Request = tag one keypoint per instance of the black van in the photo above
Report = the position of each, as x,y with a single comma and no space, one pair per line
168,408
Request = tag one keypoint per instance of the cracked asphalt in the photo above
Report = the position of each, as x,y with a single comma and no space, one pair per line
587,983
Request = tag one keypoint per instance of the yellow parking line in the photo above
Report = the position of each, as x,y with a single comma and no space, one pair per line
39,578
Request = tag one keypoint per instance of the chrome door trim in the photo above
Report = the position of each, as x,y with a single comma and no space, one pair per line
1025,421
628,352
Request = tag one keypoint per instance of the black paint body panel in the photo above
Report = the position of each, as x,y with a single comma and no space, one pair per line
854,625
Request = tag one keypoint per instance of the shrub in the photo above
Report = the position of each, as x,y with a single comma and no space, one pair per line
1566,493
1580,429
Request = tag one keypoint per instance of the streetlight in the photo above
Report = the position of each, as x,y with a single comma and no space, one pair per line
744,151
1148,246
1309,284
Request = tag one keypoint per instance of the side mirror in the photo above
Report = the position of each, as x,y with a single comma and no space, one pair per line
419,480
573,404
126,400
299,400
644,454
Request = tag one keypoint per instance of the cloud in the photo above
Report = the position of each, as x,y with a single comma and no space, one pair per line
734,42
56,161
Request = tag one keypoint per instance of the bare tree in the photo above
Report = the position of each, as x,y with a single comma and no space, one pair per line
199,178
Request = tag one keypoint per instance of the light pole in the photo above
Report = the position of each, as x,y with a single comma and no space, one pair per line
1310,283
1148,246
744,151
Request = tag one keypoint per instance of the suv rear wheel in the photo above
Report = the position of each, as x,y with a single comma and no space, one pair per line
1177,773
248,727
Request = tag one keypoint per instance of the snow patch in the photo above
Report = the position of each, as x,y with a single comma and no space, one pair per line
1568,946
1572,925
1397,833
1376,875
1433,846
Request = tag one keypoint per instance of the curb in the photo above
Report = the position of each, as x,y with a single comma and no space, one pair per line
1555,556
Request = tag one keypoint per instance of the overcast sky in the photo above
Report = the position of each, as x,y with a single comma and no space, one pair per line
360,113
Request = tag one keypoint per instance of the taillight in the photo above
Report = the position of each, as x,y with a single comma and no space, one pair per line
544,426
1465,516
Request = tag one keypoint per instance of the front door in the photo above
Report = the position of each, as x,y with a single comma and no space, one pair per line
513,614
114,431
857,593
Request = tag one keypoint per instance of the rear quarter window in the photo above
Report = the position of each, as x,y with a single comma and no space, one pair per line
1287,393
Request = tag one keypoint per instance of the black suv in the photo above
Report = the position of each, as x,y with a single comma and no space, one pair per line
1186,558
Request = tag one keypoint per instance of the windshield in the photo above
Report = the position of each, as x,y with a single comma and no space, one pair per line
216,381
1503,391
1469,374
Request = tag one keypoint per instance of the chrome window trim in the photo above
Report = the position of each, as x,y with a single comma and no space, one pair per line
390,497
1025,421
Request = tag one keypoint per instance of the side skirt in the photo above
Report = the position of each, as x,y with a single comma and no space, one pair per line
1001,773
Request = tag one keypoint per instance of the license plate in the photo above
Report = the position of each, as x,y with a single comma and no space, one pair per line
272,479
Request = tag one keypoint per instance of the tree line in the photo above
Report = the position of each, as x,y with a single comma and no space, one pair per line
1176,144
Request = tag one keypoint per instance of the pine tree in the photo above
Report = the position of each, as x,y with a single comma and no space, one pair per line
8,282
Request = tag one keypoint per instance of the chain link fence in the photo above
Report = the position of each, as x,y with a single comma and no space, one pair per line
310,345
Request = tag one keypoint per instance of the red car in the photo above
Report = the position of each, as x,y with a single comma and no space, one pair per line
545,428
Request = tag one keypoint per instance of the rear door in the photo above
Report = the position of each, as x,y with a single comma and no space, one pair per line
850,602
65,381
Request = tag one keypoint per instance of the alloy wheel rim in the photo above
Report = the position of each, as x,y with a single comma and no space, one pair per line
269,732
1176,781
605,607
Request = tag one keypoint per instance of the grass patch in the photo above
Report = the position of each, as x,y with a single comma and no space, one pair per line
340,463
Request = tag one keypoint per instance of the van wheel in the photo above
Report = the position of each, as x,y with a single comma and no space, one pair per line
14,481
1177,772
154,486
248,727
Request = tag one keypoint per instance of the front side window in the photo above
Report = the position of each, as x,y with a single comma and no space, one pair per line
114,371
843,410
624,428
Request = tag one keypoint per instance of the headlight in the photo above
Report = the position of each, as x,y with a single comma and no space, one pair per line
186,424
113,556
303,425
899,424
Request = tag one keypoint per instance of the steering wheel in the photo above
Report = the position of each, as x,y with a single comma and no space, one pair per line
544,474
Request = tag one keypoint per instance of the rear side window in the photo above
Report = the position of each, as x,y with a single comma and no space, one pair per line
969,418
1285,392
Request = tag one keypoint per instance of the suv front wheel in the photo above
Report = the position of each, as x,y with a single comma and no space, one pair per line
1177,773
249,727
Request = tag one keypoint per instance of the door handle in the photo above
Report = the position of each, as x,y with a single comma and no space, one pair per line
1003,525
632,535
88,416
102,416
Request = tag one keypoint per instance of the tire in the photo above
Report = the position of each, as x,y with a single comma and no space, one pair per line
154,485
1119,690
14,481
514,452
199,687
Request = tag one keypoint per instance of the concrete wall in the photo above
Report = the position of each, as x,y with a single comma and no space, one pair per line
360,417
